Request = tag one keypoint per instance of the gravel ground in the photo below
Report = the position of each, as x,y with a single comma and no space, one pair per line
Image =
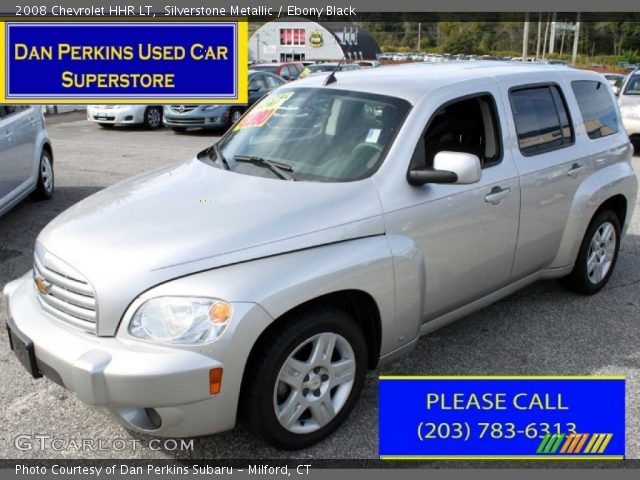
540,330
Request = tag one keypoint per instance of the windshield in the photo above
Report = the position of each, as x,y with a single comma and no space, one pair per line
323,67
316,134
633,86
265,68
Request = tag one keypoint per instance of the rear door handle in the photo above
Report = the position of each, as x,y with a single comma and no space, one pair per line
496,195
575,169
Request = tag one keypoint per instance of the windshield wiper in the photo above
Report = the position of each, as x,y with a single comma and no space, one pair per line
215,149
278,168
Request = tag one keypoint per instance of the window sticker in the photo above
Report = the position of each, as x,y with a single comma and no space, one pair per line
373,135
263,111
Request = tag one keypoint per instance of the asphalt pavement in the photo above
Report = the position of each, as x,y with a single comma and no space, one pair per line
541,330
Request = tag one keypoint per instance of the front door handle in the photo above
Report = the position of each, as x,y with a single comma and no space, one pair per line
575,169
496,195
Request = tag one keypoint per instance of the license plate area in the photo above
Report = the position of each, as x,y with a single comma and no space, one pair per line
22,348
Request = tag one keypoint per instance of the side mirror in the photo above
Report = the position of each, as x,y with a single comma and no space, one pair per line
616,90
448,167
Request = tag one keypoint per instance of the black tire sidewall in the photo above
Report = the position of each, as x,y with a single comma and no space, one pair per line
333,321
580,274
146,117
41,191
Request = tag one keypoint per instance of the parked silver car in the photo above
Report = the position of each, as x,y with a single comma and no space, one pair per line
108,116
629,101
26,156
339,220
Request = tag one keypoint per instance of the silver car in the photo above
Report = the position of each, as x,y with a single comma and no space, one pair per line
26,156
108,116
629,101
339,220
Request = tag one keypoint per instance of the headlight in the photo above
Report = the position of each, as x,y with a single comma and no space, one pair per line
630,111
181,320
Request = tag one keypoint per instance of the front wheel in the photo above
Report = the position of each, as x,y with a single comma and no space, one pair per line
45,185
597,256
305,379
153,118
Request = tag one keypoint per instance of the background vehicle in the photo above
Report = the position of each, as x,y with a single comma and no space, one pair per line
108,116
378,215
629,102
289,71
26,156
182,117
615,80
329,67
369,63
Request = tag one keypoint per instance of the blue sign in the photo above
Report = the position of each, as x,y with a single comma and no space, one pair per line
502,417
125,61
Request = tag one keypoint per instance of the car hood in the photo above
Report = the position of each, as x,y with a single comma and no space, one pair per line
192,216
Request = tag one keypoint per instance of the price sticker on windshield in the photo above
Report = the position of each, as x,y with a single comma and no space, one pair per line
263,111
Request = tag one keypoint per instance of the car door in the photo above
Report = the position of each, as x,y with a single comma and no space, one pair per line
551,165
6,175
466,233
18,128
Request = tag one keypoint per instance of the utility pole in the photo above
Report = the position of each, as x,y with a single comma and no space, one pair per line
576,38
539,31
419,34
552,36
546,31
525,38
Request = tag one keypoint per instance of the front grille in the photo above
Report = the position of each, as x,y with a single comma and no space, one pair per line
185,121
183,108
64,293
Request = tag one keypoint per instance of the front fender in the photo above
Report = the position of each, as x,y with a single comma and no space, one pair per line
616,179
282,282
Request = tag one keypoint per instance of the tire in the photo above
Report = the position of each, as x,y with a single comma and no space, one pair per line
320,394
597,255
46,180
179,129
106,125
153,118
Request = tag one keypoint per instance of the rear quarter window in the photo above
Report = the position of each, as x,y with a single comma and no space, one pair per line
596,107
541,119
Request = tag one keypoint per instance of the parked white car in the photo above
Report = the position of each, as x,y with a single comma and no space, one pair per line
108,116
343,218
26,156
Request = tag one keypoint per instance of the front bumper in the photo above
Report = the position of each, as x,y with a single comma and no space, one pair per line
133,378
125,115
193,121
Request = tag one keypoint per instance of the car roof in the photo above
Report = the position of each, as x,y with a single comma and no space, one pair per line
412,81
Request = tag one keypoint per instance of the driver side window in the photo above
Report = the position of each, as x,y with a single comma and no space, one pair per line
468,125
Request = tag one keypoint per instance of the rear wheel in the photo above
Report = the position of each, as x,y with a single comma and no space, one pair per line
305,379
46,185
597,256
153,118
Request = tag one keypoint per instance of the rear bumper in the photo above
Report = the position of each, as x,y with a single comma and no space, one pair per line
133,378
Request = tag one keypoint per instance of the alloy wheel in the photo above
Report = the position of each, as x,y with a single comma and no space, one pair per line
601,252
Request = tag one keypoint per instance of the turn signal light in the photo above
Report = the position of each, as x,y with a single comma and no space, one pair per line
220,312
215,380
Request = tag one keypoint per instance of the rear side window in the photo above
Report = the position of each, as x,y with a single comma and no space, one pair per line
596,107
541,118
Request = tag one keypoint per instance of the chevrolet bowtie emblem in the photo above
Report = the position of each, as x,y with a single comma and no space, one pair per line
42,285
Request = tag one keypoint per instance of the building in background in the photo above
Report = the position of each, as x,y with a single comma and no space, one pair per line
295,39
